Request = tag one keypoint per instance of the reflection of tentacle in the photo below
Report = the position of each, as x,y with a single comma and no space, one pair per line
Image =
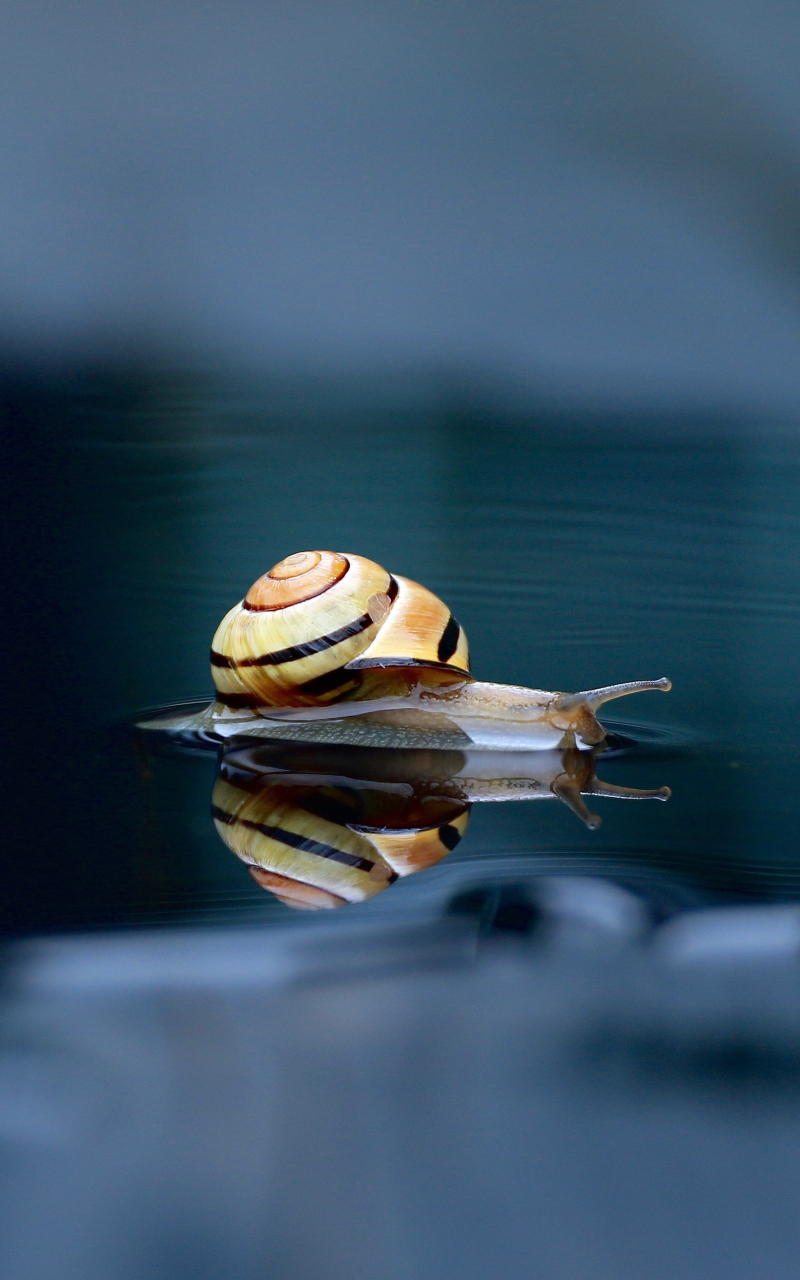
600,788
568,789
579,779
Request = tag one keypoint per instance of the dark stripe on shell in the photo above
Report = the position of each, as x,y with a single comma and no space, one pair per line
293,840
242,779
449,641
335,679
219,659
297,651
337,809
238,701
449,836
293,654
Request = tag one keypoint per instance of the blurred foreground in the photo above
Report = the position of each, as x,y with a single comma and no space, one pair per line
526,1074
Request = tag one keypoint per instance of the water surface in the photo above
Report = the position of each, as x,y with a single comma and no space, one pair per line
576,551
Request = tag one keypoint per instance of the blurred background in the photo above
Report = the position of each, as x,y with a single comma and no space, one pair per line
574,202
506,297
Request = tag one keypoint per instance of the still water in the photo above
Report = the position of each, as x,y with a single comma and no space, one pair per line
576,551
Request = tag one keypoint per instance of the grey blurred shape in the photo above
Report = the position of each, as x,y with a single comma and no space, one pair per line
587,904
733,935
575,199
400,1097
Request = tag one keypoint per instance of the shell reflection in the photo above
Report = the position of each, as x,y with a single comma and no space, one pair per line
320,828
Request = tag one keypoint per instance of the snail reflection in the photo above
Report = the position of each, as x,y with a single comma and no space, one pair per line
321,828
328,647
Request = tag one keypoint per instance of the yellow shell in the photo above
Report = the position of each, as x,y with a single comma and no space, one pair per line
306,843
308,632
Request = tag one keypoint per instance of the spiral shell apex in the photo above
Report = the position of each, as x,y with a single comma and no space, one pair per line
308,632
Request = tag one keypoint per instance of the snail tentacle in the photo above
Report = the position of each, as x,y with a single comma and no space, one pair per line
593,699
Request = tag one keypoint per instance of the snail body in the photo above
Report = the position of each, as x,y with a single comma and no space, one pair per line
335,648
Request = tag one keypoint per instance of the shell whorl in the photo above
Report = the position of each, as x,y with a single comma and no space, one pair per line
308,630
297,578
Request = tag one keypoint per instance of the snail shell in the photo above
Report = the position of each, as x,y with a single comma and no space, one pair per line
312,630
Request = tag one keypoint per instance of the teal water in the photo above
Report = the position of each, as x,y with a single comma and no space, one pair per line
575,550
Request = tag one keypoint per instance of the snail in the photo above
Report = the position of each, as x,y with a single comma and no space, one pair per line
322,829
335,648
